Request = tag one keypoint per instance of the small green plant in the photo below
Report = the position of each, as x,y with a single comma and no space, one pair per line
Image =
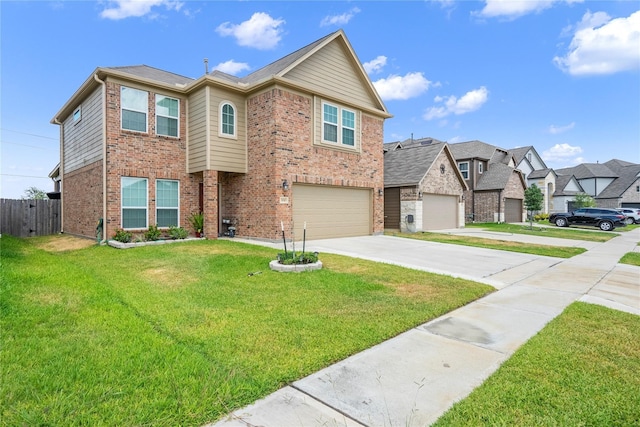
196,220
290,258
152,234
122,236
541,217
177,233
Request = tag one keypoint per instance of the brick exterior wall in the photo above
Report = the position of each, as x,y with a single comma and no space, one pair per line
488,204
82,200
280,147
146,155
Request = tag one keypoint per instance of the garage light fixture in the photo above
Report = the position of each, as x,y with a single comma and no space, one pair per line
285,185
380,192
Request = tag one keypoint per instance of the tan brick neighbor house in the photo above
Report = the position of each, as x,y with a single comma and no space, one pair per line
423,187
298,142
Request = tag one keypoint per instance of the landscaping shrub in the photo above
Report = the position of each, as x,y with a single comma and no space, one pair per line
122,236
152,234
291,258
177,233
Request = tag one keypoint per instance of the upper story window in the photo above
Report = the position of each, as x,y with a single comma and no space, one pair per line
338,125
77,114
480,167
135,104
464,169
227,120
167,114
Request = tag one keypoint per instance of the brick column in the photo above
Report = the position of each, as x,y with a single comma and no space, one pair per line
210,201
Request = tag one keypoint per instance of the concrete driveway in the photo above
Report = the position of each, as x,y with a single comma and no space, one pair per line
412,379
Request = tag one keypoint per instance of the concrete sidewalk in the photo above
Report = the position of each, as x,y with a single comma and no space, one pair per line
412,379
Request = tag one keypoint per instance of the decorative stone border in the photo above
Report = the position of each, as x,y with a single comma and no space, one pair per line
294,268
120,245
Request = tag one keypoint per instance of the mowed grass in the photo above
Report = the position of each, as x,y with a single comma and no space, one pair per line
590,234
631,258
503,245
582,369
181,334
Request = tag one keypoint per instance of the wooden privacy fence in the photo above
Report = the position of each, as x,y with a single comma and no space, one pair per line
28,218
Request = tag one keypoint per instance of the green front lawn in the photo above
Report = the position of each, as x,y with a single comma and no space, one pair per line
631,258
582,369
545,229
503,245
182,334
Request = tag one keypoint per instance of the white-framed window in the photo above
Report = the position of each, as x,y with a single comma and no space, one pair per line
77,114
480,167
167,116
134,106
338,125
464,169
227,119
134,202
167,203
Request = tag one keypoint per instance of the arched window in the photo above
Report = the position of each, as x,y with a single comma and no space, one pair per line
227,119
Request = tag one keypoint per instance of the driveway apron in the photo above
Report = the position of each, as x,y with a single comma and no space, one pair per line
412,379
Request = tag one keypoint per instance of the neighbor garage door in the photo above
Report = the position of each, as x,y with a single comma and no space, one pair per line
513,210
439,212
331,211
392,208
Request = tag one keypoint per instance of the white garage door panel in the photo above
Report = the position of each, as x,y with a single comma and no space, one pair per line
439,212
331,211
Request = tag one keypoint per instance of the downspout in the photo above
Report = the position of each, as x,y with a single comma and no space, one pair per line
499,205
104,157
472,174
61,172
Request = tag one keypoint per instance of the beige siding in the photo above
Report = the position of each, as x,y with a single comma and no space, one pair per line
83,139
197,143
332,71
228,154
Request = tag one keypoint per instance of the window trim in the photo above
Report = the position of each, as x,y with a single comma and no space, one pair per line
145,112
122,207
177,208
464,172
177,118
221,133
340,126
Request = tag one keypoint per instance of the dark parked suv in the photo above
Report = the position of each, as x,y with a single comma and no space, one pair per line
604,219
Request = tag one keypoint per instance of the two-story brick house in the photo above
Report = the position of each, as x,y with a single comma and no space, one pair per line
297,143
495,187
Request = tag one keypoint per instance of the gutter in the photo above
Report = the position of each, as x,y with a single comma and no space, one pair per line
104,157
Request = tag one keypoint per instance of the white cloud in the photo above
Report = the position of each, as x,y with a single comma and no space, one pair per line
232,67
470,101
120,9
339,19
375,65
402,87
261,31
512,9
562,153
554,130
602,45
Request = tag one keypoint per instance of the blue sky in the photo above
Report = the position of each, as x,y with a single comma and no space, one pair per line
563,76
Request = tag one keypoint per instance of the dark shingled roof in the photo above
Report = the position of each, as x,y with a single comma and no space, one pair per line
540,173
408,143
561,183
627,176
495,178
588,170
408,166
472,150
151,73
519,153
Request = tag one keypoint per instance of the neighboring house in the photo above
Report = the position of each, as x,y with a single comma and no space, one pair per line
535,171
423,189
567,186
298,142
613,184
495,187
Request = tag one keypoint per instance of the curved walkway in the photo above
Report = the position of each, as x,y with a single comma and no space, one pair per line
412,379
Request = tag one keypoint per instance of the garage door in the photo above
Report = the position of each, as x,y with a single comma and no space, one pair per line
331,211
439,212
513,210
392,208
